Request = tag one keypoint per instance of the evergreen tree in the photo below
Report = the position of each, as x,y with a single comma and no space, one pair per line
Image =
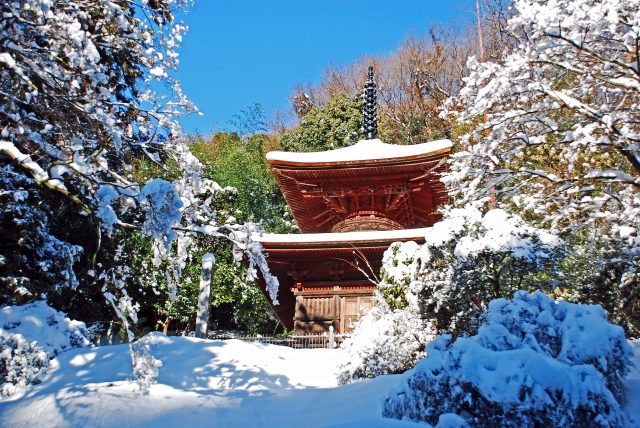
337,124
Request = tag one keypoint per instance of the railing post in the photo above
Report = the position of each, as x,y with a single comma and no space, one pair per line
332,339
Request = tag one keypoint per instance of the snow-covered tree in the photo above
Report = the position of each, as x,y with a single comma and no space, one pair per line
86,89
468,259
78,99
533,362
82,98
78,104
392,336
559,114
554,128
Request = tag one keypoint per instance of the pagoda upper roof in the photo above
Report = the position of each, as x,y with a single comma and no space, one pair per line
361,153
370,185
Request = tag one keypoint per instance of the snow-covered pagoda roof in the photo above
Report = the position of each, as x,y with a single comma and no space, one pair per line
368,236
330,191
363,152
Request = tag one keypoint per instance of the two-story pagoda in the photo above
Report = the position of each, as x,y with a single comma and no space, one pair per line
350,204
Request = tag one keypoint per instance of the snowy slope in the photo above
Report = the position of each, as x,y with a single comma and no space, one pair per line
209,383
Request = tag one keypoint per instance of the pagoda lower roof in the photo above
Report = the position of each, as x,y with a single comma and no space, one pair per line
361,153
321,239
326,261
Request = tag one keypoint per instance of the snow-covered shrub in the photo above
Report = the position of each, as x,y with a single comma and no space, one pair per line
29,336
385,341
571,333
21,363
470,258
53,331
467,259
533,362
391,337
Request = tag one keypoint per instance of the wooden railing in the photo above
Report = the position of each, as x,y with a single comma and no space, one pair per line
308,341
327,340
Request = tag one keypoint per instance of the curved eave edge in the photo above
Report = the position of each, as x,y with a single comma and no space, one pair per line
321,159
369,237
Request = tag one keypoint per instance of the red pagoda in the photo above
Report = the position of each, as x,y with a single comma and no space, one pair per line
350,204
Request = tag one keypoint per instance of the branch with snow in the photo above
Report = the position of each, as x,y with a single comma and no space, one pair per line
558,122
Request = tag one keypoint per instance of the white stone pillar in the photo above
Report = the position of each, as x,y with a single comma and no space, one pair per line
202,316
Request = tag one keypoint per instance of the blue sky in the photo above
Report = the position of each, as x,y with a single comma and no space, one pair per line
241,52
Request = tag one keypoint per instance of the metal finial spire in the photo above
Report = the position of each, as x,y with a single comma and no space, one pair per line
370,116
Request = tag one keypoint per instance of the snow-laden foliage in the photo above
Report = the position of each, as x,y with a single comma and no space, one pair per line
199,217
145,365
533,362
569,92
29,336
554,127
392,336
445,285
78,79
178,214
95,61
596,272
32,260
385,341
395,281
468,259
163,204
78,105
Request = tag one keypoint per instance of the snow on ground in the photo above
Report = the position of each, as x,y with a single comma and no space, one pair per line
212,383
201,383
633,385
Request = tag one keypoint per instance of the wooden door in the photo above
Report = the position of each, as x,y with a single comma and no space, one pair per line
313,314
351,309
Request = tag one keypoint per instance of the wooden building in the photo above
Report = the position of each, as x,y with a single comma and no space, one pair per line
350,204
